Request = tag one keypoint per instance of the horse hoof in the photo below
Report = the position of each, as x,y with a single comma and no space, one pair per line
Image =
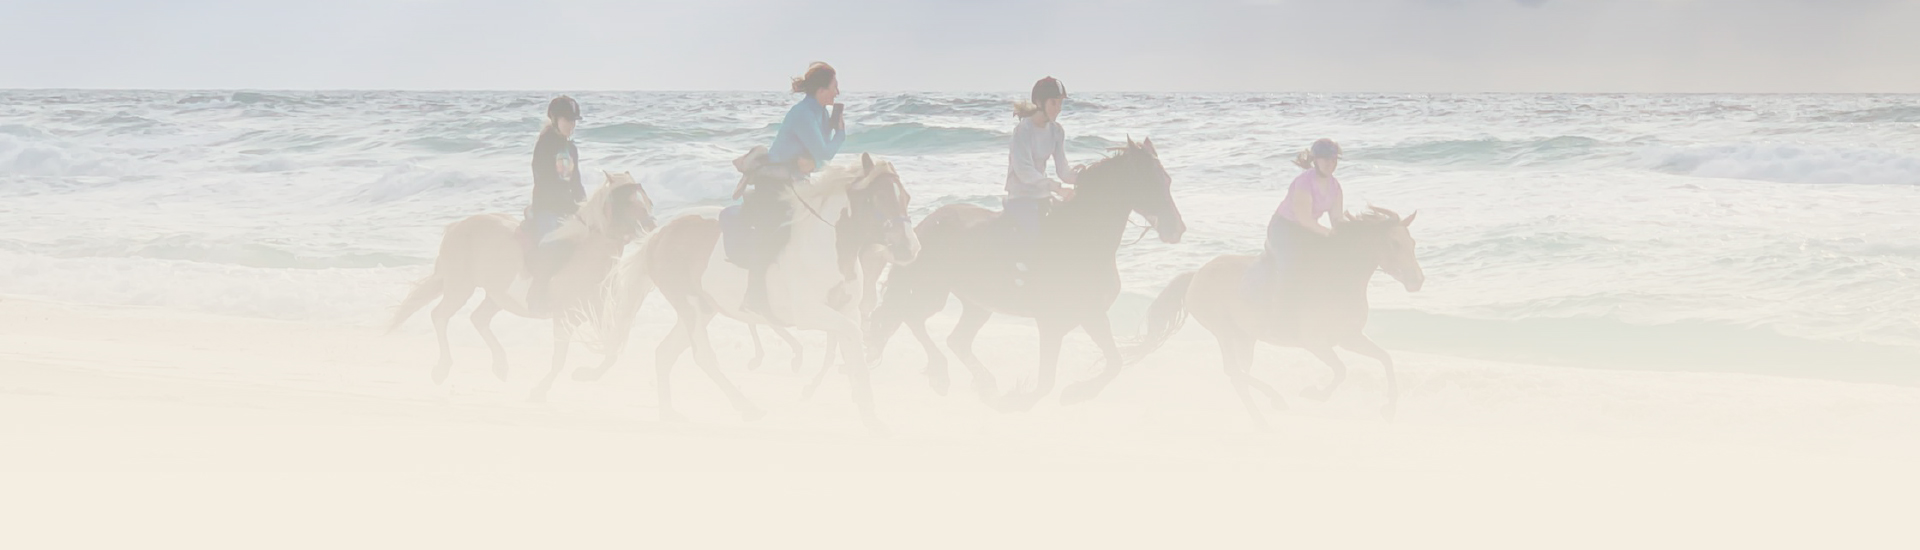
798,364
752,414
753,364
500,371
440,373
939,383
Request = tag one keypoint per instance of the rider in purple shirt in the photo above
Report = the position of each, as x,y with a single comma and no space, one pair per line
1313,194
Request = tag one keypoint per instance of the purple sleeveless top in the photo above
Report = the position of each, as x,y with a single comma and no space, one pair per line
1322,198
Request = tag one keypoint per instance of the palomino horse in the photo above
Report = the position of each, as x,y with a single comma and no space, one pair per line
486,252
1073,280
814,283
1321,303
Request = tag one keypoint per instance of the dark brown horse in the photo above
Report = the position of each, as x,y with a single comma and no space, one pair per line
1320,303
1072,282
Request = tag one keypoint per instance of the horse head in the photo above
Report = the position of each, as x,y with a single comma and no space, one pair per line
1144,186
1387,238
879,205
620,208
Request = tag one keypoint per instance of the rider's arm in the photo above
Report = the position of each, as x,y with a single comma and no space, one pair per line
821,145
544,169
1339,212
1020,159
1060,166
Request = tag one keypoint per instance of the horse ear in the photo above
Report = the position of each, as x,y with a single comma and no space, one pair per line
866,162
1409,221
1130,143
1148,144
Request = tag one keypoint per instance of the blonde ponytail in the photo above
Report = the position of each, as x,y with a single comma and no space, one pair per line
1025,109
1304,160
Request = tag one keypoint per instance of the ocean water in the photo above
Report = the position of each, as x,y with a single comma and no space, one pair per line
1763,233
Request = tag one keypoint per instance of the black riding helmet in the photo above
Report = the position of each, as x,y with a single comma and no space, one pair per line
1048,88
563,107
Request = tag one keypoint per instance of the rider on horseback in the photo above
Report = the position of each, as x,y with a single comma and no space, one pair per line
557,193
1314,193
1037,138
808,138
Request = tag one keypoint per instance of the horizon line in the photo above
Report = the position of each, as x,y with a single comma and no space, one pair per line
911,91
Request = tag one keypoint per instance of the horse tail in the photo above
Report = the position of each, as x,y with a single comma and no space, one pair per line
1164,318
630,285
424,292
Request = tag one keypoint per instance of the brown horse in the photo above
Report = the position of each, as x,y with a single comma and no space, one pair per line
486,252
1321,303
1073,280
814,283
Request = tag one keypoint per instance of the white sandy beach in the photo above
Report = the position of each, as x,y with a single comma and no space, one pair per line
137,427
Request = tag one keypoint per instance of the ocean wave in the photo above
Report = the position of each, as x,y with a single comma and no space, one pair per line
26,157
1488,151
1786,163
916,138
1879,114
638,132
411,180
937,106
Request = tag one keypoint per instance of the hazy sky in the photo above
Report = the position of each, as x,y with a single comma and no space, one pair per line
1148,45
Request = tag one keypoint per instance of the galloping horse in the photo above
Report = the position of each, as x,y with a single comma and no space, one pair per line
485,251
1073,281
815,282
1321,303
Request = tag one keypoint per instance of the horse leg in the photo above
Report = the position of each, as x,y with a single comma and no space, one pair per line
858,377
450,303
759,351
664,357
1363,346
793,344
972,318
1326,355
818,377
936,359
562,338
483,323
703,355
1052,331
1101,330
1236,356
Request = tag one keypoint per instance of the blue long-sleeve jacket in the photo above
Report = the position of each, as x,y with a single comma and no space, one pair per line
805,133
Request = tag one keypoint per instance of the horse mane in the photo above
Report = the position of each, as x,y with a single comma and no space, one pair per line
839,179
593,213
1114,154
1372,220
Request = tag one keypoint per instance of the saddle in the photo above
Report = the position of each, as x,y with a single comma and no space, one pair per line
743,243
